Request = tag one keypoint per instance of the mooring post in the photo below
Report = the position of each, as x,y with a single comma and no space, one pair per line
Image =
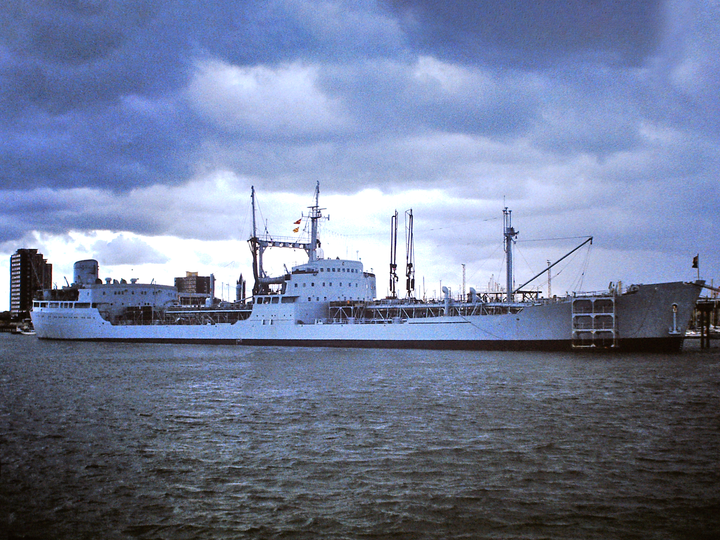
704,310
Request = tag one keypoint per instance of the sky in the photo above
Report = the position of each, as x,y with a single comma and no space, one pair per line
132,132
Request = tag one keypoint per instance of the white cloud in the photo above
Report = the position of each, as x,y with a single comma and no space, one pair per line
280,102
450,77
127,250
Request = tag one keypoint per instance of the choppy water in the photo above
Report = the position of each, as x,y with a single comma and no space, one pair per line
183,442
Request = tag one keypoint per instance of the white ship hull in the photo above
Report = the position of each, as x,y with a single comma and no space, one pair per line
650,317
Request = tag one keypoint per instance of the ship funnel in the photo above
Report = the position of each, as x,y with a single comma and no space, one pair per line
85,272
446,299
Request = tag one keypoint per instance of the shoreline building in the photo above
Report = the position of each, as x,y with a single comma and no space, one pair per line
195,290
29,273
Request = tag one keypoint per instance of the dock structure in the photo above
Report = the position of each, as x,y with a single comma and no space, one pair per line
705,317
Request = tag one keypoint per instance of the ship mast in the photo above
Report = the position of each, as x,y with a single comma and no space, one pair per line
255,248
315,215
409,254
393,254
510,235
259,245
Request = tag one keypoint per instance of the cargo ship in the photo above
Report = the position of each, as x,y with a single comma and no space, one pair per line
328,302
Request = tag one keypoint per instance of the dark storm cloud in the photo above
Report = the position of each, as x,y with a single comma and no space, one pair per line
91,91
65,55
131,116
374,123
132,142
194,210
57,212
87,96
518,32
68,55
430,95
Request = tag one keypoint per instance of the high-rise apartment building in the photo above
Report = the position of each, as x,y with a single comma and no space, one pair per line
194,290
193,283
29,273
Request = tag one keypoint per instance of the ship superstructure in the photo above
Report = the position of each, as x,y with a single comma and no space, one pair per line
332,303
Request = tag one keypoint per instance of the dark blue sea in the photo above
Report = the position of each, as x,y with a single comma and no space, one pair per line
125,441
